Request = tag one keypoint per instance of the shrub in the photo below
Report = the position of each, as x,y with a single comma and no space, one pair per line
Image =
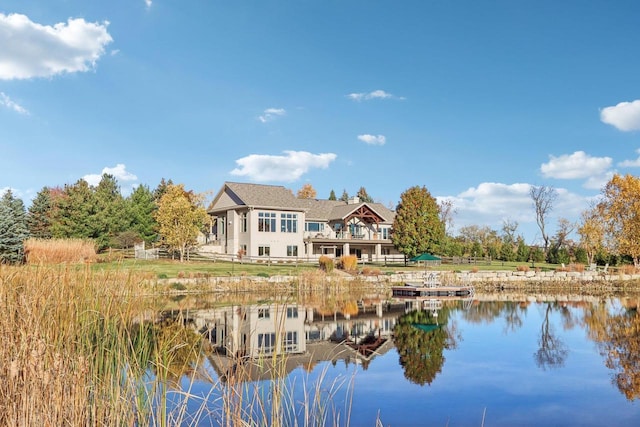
178,286
524,268
349,262
326,263
576,267
368,271
263,274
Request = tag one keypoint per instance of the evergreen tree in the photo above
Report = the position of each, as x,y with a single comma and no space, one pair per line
142,208
13,228
417,227
332,195
523,252
161,189
345,196
110,213
74,212
364,196
39,215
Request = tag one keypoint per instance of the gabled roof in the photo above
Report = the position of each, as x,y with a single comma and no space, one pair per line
254,195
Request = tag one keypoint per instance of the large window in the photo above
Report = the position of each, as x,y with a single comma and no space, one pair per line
267,342
292,250
264,251
292,312
385,232
267,222
289,223
291,341
314,227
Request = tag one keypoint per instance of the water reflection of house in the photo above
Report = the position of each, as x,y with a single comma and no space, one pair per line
304,335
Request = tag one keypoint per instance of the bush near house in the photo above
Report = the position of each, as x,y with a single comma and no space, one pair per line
326,263
348,262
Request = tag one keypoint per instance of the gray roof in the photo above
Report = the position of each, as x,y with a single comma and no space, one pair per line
279,197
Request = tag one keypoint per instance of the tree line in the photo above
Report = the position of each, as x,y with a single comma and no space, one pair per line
609,230
168,215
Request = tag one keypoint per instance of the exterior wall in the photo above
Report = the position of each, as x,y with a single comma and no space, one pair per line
277,240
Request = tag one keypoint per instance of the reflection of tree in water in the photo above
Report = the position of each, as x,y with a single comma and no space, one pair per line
552,352
489,311
420,342
619,343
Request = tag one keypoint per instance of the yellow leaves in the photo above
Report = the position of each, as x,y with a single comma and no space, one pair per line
180,217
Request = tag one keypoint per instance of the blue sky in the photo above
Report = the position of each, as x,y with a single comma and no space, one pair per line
475,100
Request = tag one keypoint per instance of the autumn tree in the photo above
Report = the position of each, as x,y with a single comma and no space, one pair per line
417,226
306,192
180,217
13,228
591,232
620,211
543,198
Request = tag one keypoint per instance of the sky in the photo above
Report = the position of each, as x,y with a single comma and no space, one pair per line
475,100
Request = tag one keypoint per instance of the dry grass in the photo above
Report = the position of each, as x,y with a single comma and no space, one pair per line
55,251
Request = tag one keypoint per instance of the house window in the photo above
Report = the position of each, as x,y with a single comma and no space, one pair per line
292,250
386,251
314,227
291,341
264,251
244,222
222,225
292,312
385,233
267,222
263,313
289,223
243,248
266,342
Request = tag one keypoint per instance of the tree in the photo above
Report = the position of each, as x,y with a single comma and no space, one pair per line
74,212
110,213
161,188
345,196
523,251
39,215
543,198
332,195
13,228
591,232
364,196
620,211
141,208
509,228
417,227
180,217
307,192
447,211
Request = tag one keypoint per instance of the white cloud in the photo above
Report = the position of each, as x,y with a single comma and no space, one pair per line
7,102
579,165
631,163
32,50
119,172
148,3
373,139
575,166
271,114
625,116
287,168
376,94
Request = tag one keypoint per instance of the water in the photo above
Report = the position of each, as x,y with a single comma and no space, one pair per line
570,361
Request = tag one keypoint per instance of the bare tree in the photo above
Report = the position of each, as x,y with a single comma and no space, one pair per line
509,228
447,211
543,198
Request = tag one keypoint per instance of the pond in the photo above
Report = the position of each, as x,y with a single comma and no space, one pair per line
495,360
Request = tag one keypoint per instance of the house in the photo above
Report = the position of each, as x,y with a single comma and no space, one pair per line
268,221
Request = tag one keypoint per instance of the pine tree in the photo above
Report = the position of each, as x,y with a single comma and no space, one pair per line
13,229
142,208
74,212
110,213
364,196
39,215
345,196
332,195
